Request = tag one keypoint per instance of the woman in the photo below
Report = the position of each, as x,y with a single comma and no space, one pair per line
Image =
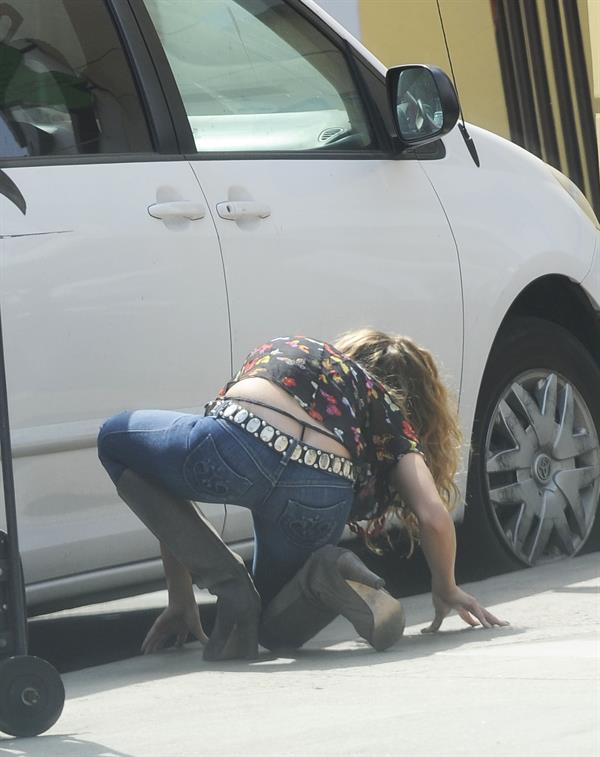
309,437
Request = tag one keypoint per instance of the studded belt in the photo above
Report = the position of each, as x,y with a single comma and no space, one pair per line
280,442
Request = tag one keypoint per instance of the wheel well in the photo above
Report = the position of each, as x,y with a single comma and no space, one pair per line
559,300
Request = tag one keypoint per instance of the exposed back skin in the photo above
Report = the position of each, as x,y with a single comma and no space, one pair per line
261,389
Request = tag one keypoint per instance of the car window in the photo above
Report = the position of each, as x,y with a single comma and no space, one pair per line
65,86
255,75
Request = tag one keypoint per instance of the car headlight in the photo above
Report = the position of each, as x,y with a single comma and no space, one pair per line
573,190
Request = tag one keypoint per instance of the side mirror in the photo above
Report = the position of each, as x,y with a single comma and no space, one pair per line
424,103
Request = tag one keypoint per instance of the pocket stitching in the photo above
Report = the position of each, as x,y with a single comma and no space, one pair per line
287,520
192,478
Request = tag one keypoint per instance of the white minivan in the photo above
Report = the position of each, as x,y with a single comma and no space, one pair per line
182,179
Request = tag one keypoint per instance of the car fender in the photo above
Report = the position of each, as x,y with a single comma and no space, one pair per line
513,223
591,282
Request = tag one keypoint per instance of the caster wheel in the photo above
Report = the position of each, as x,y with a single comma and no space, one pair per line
32,696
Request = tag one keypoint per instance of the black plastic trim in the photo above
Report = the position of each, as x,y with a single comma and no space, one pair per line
184,140
376,84
70,160
148,87
376,123
448,97
292,155
430,151
208,156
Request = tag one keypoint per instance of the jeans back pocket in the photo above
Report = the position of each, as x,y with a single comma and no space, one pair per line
312,527
210,476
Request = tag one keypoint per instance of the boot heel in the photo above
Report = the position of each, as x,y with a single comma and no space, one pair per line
235,635
353,568
387,621
241,644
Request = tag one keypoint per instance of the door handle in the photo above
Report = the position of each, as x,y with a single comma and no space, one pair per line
168,211
237,210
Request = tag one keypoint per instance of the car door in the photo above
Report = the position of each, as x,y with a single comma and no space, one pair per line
112,285
321,230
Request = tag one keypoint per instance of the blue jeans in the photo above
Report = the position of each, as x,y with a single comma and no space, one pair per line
295,509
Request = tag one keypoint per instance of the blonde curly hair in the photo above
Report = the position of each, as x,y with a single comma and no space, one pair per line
411,377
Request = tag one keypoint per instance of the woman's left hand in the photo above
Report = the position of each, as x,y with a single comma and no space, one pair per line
465,605
174,621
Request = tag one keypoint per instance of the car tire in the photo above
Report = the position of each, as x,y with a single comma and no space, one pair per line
534,475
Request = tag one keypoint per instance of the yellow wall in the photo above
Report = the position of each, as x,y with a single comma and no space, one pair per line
409,31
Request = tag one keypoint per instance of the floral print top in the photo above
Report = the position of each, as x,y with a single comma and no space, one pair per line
339,393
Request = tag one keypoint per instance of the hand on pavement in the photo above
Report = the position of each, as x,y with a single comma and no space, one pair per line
465,605
177,622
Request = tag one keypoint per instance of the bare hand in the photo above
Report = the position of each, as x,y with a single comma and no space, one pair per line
465,605
174,621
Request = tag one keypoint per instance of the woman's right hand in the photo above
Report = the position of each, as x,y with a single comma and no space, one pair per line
465,605
177,621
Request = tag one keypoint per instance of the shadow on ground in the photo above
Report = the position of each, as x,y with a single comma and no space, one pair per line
64,745
81,641
75,642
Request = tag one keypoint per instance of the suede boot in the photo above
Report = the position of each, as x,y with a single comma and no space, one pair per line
213,566
332,582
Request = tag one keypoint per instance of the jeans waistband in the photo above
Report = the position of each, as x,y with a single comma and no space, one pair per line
304,454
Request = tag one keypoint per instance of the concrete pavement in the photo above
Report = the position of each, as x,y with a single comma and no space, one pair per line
530,689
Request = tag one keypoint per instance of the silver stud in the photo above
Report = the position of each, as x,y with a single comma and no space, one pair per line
337,465
296,453
324,461
229,411
310,457
241,416
253,424
267,433
281,443
347,468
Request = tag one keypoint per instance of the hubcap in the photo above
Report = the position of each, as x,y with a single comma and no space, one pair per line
543,467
